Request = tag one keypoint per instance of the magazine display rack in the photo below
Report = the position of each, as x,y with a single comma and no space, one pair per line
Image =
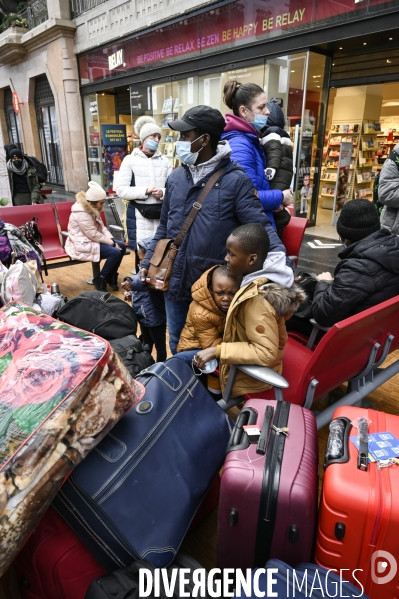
363,136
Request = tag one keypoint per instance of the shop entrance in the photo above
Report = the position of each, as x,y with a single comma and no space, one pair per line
48,130
367,118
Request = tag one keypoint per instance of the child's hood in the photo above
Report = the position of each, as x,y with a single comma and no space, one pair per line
279,291
275,269
201,294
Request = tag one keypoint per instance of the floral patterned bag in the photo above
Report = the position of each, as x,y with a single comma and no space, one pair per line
61,391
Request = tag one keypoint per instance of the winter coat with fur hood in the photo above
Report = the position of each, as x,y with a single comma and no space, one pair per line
85,231
139,172
205,322
255,331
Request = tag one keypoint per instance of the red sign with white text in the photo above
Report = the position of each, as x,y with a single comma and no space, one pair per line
230,25
15,102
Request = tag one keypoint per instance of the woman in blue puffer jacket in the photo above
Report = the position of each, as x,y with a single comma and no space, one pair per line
249,105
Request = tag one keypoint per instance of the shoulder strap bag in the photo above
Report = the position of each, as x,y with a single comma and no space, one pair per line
162,260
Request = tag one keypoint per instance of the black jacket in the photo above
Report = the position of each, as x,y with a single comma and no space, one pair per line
367,275
277,146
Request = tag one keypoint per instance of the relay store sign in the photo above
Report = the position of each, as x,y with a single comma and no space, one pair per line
229,25
115,60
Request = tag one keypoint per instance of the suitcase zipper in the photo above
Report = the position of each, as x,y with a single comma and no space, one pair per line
270,484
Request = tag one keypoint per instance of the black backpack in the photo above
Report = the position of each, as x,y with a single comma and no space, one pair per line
133,354
124,583
394,156
101,313
40,167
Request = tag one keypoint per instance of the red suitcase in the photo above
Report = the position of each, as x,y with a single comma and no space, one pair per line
54,563
359,517
268,500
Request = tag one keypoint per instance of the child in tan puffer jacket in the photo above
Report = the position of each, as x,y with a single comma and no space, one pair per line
212,295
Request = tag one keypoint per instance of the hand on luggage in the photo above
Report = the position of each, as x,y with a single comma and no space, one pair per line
204,356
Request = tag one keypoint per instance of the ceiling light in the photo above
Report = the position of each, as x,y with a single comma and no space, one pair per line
384,104
103,94
292,71
333,64
364,43
317,85
389,61
390,39
340,48
314,76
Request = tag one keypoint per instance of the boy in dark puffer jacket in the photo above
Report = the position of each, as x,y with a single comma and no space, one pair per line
149,306
277,146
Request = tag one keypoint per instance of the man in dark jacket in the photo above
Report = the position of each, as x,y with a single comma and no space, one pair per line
230,203
368,273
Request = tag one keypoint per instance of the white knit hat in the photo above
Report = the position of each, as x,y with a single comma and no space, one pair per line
95,193
145,126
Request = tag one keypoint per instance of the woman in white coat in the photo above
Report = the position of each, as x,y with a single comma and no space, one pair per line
88,240
141,179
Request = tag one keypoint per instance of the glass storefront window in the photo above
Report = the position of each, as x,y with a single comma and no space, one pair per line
296,82
90,108
308,137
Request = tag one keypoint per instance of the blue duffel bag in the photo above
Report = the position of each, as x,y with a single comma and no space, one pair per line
135,495
279,580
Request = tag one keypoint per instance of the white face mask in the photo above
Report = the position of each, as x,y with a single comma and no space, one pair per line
151,144
183,150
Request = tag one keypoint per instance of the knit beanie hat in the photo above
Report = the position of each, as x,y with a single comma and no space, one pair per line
95,193
358,219
17,153
145,126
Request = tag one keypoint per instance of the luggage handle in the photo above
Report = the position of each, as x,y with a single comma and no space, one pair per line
363,456
264,434
337,449
239,438
165,374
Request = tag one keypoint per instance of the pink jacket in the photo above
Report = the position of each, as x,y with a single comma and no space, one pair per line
85,231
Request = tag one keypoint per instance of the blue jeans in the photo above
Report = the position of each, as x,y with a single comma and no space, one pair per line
188,355
176,313
113,258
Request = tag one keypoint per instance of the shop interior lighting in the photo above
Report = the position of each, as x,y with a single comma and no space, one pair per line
340,48
364,43
390,39
389,61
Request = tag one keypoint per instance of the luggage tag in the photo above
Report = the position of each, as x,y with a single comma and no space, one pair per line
253,432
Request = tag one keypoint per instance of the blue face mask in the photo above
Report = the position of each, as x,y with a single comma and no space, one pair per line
259,121
151,144
183,150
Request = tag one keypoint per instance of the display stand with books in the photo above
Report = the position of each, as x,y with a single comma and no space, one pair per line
363,168
339,132
165,110
386,141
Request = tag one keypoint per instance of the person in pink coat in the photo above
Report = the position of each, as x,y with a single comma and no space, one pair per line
88,239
